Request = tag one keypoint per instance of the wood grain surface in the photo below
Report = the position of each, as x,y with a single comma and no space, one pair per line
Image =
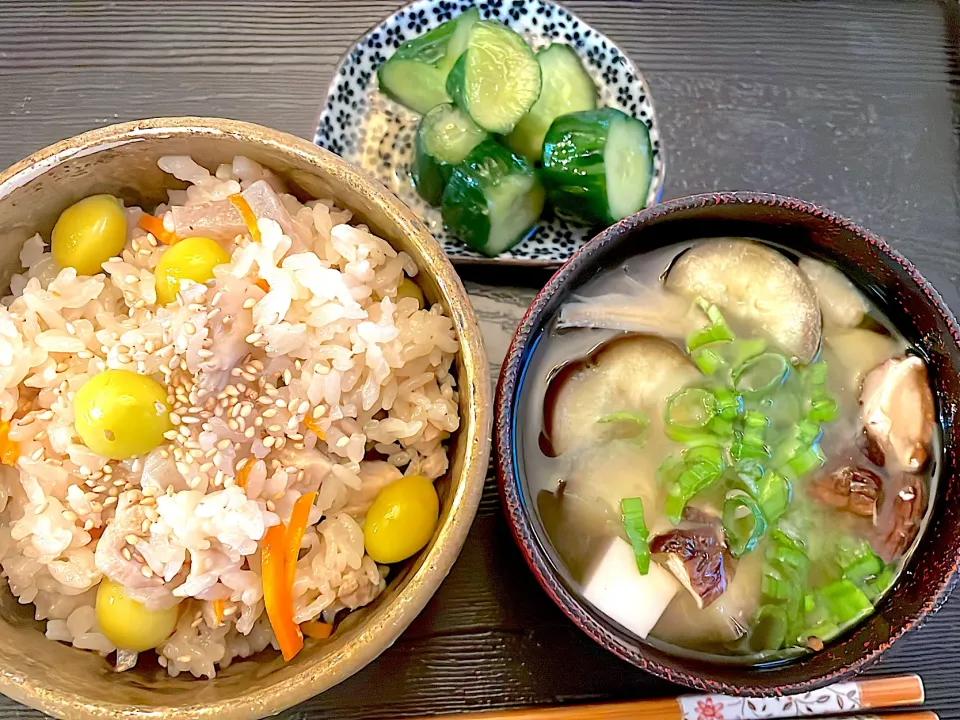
850,104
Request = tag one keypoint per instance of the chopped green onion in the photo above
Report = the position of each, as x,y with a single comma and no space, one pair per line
743,350
875,588
669,470
761,375
804,461
729,404
716,332
636,422
631,510
721,426
704,465
625,416
708,335
769,628
691,408
712,311
846,602
824,410
693,437
774,496
743,522
708,360
775,587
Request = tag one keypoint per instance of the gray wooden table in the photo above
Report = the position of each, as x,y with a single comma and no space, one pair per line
850,104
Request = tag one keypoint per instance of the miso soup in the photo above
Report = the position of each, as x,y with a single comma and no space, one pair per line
733,451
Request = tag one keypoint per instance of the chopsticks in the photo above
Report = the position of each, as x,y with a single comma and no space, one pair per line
840,698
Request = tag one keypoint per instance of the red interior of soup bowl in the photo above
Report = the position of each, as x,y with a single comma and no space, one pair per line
895,286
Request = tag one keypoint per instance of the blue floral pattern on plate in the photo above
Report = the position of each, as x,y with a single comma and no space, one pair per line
375,133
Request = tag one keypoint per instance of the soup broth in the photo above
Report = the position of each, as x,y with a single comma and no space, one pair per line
732,451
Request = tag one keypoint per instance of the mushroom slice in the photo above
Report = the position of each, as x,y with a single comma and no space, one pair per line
633,307
840,302
754,285
857,490
896,408
901,522
695,556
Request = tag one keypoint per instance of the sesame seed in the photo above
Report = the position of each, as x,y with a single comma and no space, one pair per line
268,441
110,501
253,337
88,525
174,418
271,506
145,526
249,303
189,328
148,501
249,432
223,444
126,553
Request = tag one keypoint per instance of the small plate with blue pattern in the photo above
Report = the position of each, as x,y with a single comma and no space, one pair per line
375,133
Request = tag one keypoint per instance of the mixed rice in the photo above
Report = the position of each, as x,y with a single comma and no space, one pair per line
296,370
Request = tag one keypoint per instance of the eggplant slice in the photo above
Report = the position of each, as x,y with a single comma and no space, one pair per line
754,285
633,374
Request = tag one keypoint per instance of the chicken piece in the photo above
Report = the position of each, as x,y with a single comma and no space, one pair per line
854,489
111,561
265,203
218,220
229,329
896,408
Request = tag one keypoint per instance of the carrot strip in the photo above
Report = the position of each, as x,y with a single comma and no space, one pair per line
246,212
243,475
154,226
316,630
262,284
312,424
277,596
298,525
218,611
9,449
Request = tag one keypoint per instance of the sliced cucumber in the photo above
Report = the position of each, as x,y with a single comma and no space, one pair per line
493,199
597,166
497,79
416,74
566,88
445,137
